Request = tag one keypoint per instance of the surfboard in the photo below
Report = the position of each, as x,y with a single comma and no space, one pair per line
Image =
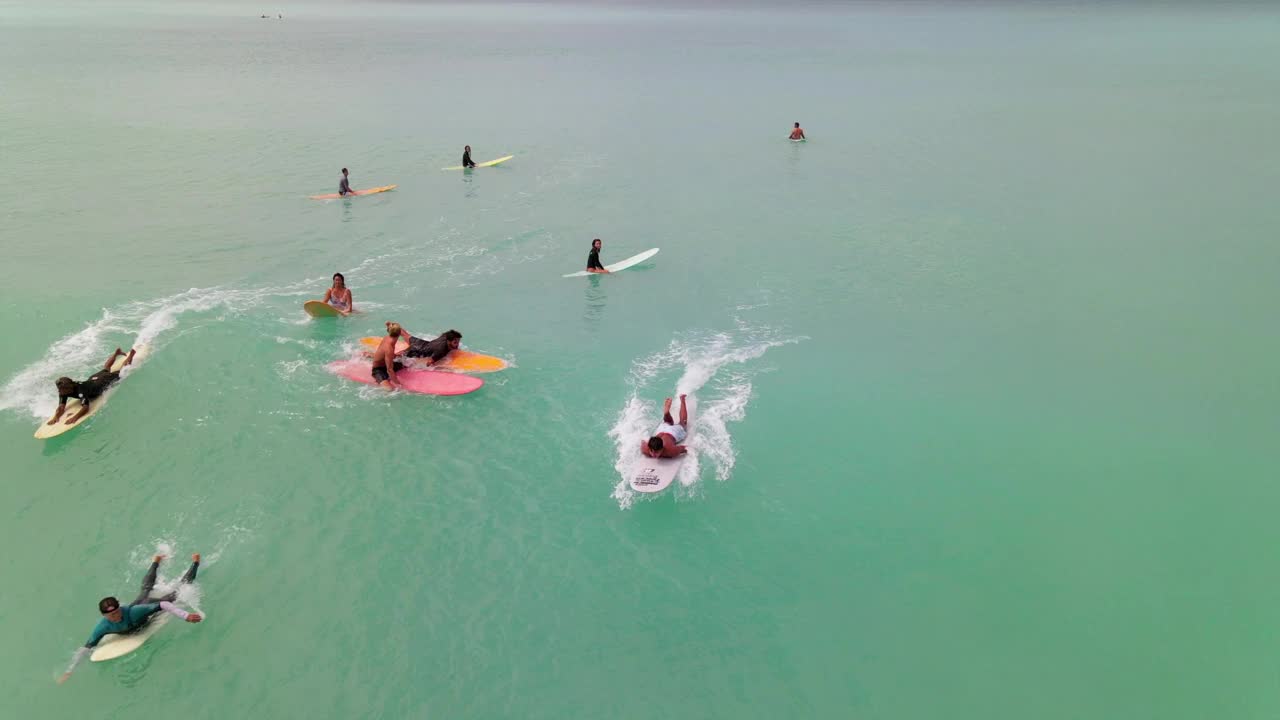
425,382
46,431
491,163
651,475
114,646
621,264
370,191
797,139
459,360
318,309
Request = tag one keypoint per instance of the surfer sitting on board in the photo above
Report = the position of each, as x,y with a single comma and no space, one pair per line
339,296
89,390
121,620
666,440
385,364
433,350
797,133
344,185
593,258
467,162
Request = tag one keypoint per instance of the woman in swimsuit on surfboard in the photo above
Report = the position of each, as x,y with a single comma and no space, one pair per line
338,296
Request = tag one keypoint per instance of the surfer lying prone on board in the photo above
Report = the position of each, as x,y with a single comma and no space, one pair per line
593,258
666,440
339,295
89,390
433,350
121,620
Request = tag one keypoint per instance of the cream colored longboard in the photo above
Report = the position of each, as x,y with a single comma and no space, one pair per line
46,431
114,646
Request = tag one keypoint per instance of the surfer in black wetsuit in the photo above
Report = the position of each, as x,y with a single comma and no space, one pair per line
467,162
433,350
90,389
593,258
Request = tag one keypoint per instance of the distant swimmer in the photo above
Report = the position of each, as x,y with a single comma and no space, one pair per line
666,440
89,390
593,258
797,133
385,364
339,296
433,350
467,162
122,620
344,185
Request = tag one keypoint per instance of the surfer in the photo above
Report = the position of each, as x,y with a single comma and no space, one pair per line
122,620
593,258
467,162
90,389
433,350
385,364
344,185
339,296
666,440
797,133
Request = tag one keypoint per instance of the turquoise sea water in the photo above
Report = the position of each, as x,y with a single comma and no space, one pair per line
984,369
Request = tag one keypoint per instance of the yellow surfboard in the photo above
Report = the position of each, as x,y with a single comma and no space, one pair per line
491,163
459,360
46,431
370,191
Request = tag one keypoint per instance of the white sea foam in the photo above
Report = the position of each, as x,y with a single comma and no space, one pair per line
716,370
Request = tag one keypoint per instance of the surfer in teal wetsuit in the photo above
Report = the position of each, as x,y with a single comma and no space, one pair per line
467,162
339,296
593,258
666,440
90,389
344,185
121,620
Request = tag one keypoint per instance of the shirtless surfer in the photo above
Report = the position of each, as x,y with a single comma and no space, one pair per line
124,619
797,133
593,258
666,440
339,296
90,389
385,364
344,185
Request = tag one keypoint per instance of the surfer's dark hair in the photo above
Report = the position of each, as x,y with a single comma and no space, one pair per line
452,335
340,275
344,169
593,242
655,443
108,604
797,124
65,384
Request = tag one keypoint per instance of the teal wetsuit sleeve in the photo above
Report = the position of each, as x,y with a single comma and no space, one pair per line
99,631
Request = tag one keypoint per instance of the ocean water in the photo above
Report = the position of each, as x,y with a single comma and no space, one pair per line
985,369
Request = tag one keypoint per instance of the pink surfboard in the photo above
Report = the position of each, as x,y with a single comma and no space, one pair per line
426,382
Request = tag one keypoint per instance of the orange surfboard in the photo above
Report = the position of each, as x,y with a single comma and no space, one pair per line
459,360
370,191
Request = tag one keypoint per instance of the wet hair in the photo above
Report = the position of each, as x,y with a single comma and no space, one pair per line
344,171
66,385
655,443
393,329
797,124
452,335
466,147
340,275
593,242
108,604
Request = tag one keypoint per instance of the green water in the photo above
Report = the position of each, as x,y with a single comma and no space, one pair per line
985,369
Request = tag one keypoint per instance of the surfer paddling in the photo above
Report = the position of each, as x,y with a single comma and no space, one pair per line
385,364
467,162
593,258
666,440
338,295
90,389
344,185
124,619
797,133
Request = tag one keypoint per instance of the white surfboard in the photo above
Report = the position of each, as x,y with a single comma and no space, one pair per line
621,264
652,475
46,431
114,646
